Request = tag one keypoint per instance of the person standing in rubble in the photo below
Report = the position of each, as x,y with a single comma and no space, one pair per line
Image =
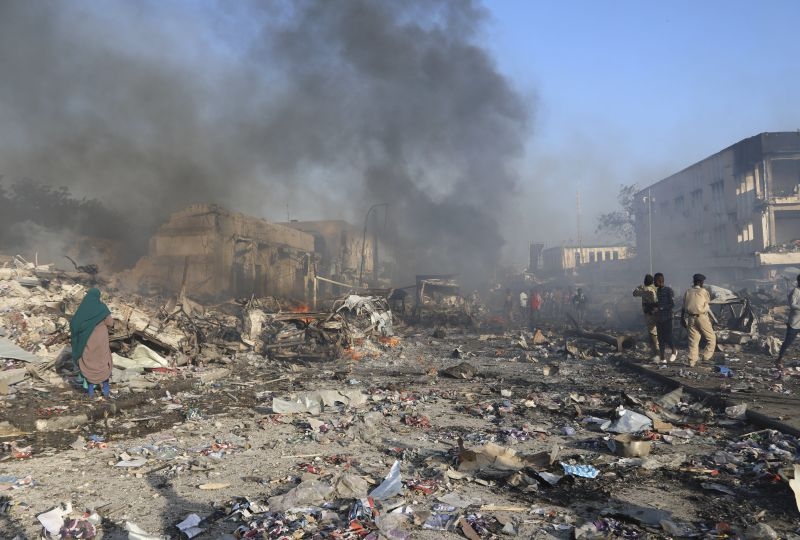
523,303
792,325
664,305
579,304
536,306
90,346
695,317
647,292
508,306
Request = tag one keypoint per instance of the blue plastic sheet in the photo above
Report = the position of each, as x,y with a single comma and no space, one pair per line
584,471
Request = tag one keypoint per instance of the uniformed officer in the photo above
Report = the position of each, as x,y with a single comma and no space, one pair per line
648,294
697,321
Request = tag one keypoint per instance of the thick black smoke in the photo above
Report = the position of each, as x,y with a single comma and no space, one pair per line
326,105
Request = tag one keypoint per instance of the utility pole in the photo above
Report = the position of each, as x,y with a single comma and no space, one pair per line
649,198
578,207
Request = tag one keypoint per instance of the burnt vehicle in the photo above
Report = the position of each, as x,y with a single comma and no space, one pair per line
439,301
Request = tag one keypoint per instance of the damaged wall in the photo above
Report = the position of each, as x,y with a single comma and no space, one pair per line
338,245
214,253
724,211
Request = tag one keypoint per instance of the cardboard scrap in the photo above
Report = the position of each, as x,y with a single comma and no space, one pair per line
658,424
467,529
498,460
213,485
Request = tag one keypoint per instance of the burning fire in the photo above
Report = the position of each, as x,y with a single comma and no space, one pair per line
352,354
389,341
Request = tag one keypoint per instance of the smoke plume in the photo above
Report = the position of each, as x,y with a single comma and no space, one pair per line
323,106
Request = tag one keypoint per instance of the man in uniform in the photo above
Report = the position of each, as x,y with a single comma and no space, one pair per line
663,312
647,293
697,321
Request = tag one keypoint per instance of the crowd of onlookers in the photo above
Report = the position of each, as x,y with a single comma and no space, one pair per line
536,304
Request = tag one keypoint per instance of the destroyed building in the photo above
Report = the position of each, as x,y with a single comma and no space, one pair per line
207,251
736,212
341,249
564,259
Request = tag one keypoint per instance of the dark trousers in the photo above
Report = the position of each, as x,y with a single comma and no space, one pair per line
664,329
791,334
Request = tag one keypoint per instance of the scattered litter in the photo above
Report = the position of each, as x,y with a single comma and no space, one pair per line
53,519
137,533
213,485
189,526
390,486
464,370
584,471
627,422
737,412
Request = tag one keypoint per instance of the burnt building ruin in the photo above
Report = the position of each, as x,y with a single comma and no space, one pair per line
207,251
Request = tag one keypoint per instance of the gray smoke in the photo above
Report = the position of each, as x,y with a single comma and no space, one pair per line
327,106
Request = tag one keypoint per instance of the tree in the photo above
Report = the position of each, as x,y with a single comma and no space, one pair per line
56,209
621,223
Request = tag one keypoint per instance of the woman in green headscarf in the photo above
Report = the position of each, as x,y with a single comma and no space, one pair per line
90,349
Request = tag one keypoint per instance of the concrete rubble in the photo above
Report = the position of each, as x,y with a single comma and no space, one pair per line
245,420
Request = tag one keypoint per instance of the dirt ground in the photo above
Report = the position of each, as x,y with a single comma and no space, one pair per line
718,482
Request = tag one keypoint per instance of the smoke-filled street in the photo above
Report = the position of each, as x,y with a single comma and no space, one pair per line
492,429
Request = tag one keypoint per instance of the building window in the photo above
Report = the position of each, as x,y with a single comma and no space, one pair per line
697,199
591,256
679,204
718,197
615,255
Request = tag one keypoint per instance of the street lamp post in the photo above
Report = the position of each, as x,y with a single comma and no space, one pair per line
649,199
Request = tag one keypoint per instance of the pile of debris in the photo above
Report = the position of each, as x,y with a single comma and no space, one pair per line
310,335
153,335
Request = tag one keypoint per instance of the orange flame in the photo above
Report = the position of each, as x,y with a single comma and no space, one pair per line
352,354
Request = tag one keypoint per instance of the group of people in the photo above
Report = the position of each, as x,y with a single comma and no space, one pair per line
658,304
533,304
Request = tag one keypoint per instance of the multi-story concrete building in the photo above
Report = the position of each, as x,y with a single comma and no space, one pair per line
735,213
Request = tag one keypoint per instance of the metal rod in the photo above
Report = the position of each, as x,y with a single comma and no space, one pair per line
364,241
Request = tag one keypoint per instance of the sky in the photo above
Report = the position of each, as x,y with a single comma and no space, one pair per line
632,91
478,121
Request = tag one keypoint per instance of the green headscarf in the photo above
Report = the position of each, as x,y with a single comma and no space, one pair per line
90,313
